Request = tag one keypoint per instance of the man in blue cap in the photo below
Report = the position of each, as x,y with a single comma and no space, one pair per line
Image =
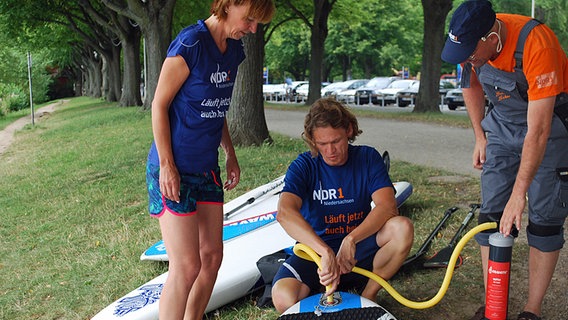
522,141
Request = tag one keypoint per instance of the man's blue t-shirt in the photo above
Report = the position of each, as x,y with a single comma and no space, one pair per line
336,199
198,111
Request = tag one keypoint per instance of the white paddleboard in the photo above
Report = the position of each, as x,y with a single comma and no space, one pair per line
344,306
238,274
250,211
234,228
231,229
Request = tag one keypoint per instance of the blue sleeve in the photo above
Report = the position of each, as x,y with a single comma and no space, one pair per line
187,45
378,175
298,175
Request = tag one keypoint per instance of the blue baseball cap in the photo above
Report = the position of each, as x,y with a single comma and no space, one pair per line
472,20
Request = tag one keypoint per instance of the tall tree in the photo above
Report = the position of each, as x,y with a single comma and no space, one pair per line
102,40
435,13
319,32
372,37
128,35
288,51
155,20
247,123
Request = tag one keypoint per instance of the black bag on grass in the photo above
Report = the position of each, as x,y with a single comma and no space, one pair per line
268,267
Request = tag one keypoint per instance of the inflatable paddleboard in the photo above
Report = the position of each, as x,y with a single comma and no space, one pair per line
255,235
231,229
344,306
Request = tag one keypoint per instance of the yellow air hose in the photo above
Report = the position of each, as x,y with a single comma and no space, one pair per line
305,252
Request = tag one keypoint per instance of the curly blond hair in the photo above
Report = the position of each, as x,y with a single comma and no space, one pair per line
328,112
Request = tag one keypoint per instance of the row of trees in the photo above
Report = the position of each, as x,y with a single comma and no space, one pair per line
110,48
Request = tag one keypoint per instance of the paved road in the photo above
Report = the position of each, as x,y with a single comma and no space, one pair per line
424,144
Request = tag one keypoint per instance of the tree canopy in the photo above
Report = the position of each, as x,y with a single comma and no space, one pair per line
110,48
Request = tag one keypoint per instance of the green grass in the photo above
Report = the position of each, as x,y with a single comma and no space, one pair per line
74,217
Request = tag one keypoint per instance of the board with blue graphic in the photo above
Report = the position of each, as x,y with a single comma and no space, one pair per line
344,306
251,232
233,229
246,232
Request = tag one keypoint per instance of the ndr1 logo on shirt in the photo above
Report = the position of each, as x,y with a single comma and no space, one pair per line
328,194
220,77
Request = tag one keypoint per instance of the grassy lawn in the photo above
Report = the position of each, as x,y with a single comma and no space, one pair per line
74,218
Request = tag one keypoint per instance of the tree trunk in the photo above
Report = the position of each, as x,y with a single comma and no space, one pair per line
94,76
155,20
114,74
131,95
322,8
79,77
158,35
104,78
246,120
435,12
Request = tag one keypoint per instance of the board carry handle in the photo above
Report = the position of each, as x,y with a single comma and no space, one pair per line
305,252
251,200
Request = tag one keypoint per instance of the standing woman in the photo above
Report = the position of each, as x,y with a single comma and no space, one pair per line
183,176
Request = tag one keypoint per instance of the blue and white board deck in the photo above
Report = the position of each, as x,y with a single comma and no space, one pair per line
232,229
238,274
345,306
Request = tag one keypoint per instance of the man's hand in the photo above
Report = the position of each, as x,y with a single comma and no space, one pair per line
346,255
479,153
512,214
329,272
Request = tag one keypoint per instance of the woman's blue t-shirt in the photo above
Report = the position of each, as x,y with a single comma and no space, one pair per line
198,111
336,199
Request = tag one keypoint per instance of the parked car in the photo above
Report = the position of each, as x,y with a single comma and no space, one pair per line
334,89
303,89
291,89
408,96
274,91
452,78
348,96
371,90
389,94
445,86
454,98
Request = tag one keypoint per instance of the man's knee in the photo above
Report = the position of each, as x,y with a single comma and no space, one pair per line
280,299
545,238
404,232
286,292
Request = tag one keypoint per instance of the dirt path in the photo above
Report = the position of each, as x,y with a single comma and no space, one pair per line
7,135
